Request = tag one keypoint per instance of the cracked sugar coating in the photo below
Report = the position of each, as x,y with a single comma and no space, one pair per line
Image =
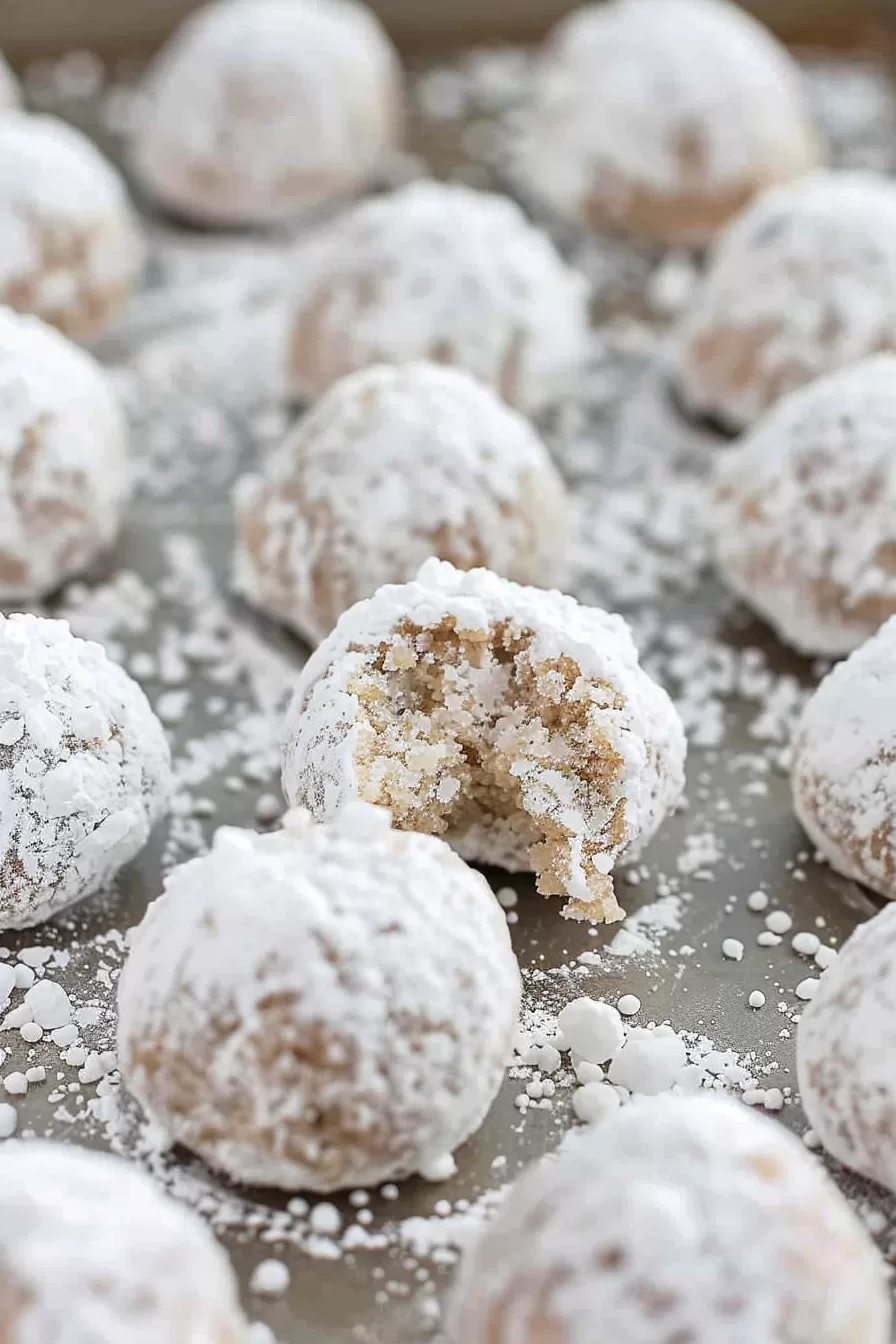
92,1252
803,283
804,511
70,247
846,1052
515,722
63,458
323,1007
84,769
843,770
394,465
437,271
678,1218
260,109
726,117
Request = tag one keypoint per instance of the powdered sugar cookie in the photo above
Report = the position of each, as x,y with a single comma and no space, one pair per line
63,458
802,284
9,87
437,271
70,247
396,464
664,118
678,1218
84,764
845,1050
322,1007
804,511
512,721
90,1249
260,109
844,791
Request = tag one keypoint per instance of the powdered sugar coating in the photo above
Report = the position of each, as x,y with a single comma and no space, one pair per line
844,765
726,117
84,769
70,246
91,1250
803,283
438,271
259,109
63,458
10,96
846,1052
320,1008
678,1218
396,464
804,510
545,744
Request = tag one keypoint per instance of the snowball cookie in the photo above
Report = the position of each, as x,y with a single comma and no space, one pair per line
84,769
664,118
512,721
844,787
92,1252
63,458
676,1218
322,1007
438,271
846,1052
9,87
259,109
804,511
70,246
803,283
394,465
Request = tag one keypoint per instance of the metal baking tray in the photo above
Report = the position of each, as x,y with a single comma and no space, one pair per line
201,410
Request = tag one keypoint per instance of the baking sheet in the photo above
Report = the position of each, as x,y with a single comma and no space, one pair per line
193,359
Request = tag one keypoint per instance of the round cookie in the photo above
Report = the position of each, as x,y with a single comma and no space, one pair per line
437,271
258,110
803,513
845,1052
84,766
394,465
91,1250
801,284
663,118
844,791
323,1007
70,247
10,94
63,458
512,721
677,1218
